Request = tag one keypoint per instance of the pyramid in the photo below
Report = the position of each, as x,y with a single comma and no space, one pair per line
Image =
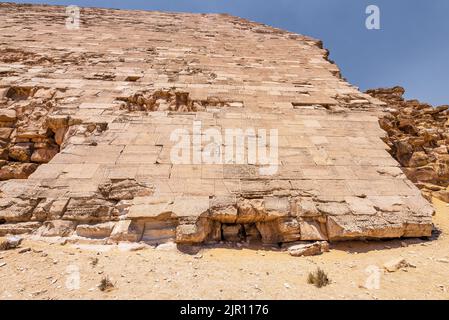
193,128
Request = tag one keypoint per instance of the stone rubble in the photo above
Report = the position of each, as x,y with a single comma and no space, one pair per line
397,264
10,242
418,137
86,115
308,249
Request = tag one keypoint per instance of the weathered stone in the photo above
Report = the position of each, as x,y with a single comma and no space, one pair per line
18,228
3,156
334,208
55,122
289,229
17,170
270,232
43,155
312,230
188,234
21,152
419,159
88,210
308,249
57,228
127,230
59,135
443,195
224,209
306,207
361,206
373,227
124,189
158,231
417,136
190,207
396,264
8,115
201,231
16,210
276,207
50,209
10,242
151,210
95,231
5,133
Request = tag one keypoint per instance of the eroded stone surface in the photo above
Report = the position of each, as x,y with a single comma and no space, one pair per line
93,120
418,135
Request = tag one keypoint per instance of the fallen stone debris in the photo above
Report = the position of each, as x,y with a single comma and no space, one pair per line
397,264
308,249
10,242
418,137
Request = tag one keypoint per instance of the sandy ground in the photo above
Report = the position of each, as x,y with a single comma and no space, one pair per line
54,271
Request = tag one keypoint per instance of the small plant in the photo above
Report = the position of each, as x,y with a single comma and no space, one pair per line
94,261
105,284
318,278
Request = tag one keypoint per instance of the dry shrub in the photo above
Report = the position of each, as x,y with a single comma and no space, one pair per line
105,284
318,278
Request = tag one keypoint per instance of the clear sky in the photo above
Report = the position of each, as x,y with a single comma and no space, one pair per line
411,49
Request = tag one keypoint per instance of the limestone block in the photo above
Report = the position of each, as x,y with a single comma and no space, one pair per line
312,230
223,209
308,249
88,210
18,228
334,209
159,231
361,206
204,230
289,229
8,115
21,152
270,232
43,155
17,170
57,228
95,231
306,207
127,230
250,211
17,210
5,133
277,207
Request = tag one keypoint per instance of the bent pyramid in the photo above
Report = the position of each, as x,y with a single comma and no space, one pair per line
89,119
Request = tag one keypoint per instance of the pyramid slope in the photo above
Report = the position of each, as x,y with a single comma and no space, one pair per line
115,91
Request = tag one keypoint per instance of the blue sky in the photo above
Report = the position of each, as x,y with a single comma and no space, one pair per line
411,49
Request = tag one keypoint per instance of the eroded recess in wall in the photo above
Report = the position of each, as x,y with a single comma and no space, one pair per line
31,131
10,55
173,100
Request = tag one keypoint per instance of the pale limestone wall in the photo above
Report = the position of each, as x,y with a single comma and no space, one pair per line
125,80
